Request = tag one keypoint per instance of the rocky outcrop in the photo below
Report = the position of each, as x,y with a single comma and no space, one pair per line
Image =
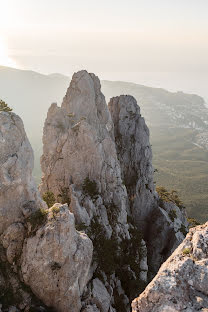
135,156
167,228
99,161
163,224
17,186
93,250
56,261
182,281
43,259
80,158
78,147
19,198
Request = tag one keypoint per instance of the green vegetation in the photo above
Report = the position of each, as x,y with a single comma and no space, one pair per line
183,229
81,227
90,188
64,197
116,257
4,107
186,251
192,222
169,196
105,250
182,166
49,198
55,210
112,212
9,297
172,215
37,219
71,115
119,301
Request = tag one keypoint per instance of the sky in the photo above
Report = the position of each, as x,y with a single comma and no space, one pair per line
116,39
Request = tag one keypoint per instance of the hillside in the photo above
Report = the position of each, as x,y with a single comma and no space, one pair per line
178,125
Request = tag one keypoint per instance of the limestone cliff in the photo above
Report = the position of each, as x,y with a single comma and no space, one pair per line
105,238
56,261
163,224
17,186
182,281
135,157
99,160
80,160
43,259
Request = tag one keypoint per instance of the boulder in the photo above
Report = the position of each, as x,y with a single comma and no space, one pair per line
56,261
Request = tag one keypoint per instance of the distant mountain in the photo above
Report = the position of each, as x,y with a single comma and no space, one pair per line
178,125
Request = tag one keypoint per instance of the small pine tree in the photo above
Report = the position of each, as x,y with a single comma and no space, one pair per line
49,198
4,107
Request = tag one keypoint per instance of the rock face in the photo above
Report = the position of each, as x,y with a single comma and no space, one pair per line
56,261
135,156
78,143
101,166
167,228
19,198
39,247
182,281
163,224
80,158
94,250
16,164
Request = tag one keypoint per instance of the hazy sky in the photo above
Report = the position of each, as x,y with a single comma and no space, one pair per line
113,38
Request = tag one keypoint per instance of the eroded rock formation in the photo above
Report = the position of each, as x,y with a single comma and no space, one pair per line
17,186
182,281
96,249
43,259
78,143
102,166
135,156
56,261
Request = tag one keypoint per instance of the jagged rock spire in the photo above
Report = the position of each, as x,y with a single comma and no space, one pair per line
78,143
135,156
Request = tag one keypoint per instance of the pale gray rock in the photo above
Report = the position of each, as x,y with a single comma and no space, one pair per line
17,186
12,240
162,235
81,140
143,262
100,295
168,228
78,142
56,261
135,156
182,281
